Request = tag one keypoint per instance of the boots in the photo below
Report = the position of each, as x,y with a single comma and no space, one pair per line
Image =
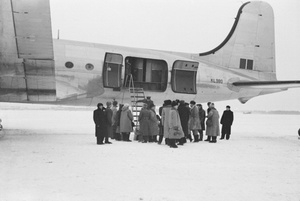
160,139
118,136
167,141
145,139
126,137
227,136
213,140
154,138
208,139
196,138
172,143
222,136
201,135
190,137
181,141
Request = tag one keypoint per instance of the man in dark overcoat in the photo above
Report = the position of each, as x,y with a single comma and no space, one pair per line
226,121
100,123
184,114
208,110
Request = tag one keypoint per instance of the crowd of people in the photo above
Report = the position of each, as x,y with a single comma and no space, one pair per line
176,122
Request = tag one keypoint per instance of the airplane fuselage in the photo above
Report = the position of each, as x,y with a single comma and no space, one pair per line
80,85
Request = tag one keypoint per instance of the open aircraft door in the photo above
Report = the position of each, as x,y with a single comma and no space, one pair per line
184,77
112,70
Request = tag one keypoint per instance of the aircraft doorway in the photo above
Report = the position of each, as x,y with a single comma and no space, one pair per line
112,69
184,77
149,74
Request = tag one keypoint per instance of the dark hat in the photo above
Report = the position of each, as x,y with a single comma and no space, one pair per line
227,106
115,103
99,104
167,102
193,102
174,103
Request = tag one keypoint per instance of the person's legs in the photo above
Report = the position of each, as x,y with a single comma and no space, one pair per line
228,132
208,139
196,136
160,139
223,132
213,139
172,143
127,137
200,135
100,140
106,136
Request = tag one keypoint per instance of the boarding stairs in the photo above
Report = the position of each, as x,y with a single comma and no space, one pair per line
136,96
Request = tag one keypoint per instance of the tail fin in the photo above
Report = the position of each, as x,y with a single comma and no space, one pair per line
27,70
250,44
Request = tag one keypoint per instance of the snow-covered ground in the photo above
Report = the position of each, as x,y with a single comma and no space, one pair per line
49,153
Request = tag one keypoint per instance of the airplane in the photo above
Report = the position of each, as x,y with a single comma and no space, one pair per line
34,68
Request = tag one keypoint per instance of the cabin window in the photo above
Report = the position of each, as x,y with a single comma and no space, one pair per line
112,69
246,64
89,66
250,64
149,74
242,63
184,77
69,64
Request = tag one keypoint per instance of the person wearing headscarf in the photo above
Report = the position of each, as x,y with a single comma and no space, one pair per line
100,119
126,122
212,124
165,119
174,125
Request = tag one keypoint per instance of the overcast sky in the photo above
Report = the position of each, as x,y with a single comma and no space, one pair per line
184,26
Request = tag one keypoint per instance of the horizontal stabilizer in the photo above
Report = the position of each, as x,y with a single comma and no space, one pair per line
268,84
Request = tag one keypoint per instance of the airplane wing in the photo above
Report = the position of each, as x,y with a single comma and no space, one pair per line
26,49
268,84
